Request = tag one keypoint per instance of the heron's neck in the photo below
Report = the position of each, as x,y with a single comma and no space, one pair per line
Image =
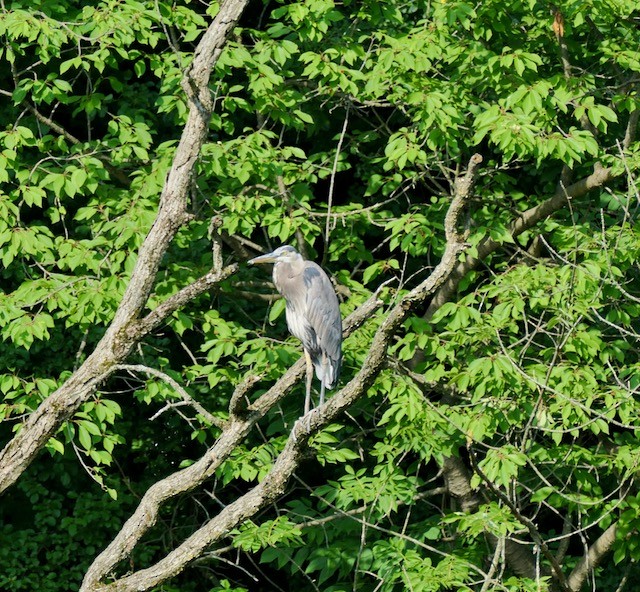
292,268
285,271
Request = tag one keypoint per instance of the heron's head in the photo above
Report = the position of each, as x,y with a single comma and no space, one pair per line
285,254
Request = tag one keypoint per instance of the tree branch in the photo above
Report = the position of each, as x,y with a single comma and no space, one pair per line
118,341
525,221
159,314
528,524
592,559
240,424
558,29
184,395
274,483
631,130
115,172
458,482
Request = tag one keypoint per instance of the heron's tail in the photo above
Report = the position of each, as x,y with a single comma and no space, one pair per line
327,370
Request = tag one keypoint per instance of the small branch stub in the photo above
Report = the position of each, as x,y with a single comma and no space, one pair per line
238,403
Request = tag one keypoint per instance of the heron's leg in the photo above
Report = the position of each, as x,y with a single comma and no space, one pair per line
307,398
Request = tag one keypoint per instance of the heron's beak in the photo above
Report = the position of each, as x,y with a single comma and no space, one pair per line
268,258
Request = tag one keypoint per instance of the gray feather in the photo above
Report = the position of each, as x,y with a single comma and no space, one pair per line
313,314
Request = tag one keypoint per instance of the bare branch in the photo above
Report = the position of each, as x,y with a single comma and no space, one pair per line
237,404
336,160
498,557
185,396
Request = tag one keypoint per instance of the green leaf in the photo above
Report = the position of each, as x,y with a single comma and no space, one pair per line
277,308
84,437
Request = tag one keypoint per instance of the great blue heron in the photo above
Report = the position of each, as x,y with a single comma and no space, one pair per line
313,314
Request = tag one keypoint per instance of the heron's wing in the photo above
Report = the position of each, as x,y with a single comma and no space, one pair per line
324,323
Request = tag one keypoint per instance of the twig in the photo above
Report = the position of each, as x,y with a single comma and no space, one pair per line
186,397
332,181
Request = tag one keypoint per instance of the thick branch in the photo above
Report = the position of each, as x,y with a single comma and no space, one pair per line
458,482
274,483
592,559
118,341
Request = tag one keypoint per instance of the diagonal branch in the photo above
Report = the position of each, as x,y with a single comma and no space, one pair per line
116,173
592,558
159,314
274,483
239,425
176,386
119,340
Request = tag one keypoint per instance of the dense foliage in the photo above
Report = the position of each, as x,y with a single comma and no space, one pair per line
501,440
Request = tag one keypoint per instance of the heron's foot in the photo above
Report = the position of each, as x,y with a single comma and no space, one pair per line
305,420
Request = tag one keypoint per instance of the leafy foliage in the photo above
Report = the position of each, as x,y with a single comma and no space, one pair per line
340,128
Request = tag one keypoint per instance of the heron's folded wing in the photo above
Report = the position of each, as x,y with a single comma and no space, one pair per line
324,320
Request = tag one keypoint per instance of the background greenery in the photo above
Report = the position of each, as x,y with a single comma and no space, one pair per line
338,128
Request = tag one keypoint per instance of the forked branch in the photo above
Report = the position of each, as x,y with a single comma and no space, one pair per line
525,221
